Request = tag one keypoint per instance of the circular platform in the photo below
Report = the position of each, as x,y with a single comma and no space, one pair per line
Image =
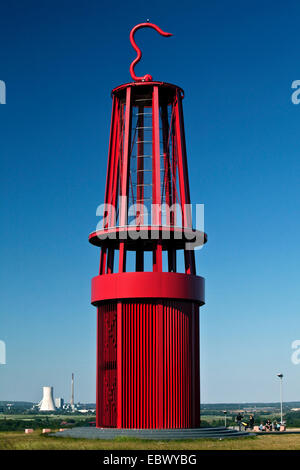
142,237
156,434
148,285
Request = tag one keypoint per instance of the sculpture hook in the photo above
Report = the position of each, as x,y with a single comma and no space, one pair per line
147,77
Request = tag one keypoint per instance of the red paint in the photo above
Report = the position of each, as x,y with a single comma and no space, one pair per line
146,77
147,285
148,322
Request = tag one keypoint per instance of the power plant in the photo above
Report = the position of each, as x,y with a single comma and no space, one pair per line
47,402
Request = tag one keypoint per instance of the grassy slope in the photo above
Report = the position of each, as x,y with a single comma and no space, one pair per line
20,441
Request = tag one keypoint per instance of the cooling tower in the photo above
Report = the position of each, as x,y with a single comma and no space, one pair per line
47,403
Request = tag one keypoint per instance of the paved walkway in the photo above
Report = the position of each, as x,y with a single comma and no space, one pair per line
157,434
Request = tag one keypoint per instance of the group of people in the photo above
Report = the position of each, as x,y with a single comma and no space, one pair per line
268,426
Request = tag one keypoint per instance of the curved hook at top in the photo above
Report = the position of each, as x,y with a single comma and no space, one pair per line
145,78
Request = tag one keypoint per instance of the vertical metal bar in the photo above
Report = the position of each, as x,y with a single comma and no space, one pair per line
136,376
139,260
147,360
182,163
140,160
117,161
172,265
103,260
174,163
109,175
172,257
119,366
142,365
138,358
130,363
156,192
98,384
166,154
181,411
147,418
134,398
124,177
151,352
197,368
176,365
189,255
167,178
156,345
111,151
160,363
110,260
193,366
170,375
126,319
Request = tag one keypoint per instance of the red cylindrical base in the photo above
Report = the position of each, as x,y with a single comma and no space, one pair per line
148,364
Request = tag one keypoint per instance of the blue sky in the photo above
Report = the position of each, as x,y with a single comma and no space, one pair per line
236,62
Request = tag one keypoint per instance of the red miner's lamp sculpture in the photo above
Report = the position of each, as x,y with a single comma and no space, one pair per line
148,321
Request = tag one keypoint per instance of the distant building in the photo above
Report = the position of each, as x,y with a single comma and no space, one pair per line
68,407
59,403
47,403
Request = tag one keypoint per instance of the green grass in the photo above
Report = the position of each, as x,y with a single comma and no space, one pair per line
49,416
38,441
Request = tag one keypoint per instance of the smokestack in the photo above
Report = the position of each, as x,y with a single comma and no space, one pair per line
47,403
72,391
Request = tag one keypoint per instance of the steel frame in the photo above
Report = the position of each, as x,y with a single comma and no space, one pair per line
147,322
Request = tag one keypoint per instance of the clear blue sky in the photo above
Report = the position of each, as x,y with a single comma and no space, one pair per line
236,62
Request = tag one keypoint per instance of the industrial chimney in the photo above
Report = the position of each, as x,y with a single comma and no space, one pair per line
72,392
47,403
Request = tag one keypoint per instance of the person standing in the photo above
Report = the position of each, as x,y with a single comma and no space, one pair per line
251,422
239,420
